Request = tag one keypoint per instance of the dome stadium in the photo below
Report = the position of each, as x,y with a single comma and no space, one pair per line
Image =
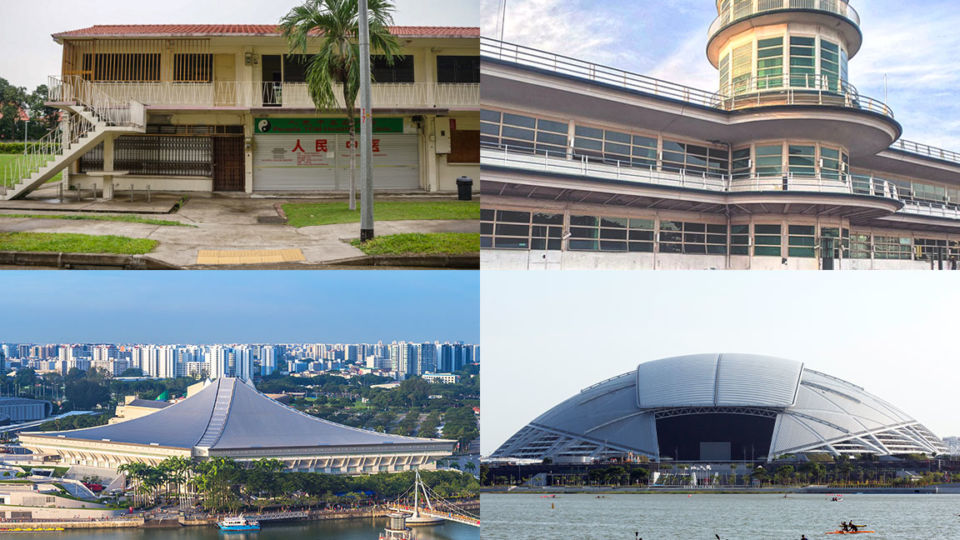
719,407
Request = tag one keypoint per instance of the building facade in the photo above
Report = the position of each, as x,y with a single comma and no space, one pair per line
215,108
720,407
786,166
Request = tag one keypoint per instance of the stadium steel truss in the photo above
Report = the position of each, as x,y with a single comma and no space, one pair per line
720,407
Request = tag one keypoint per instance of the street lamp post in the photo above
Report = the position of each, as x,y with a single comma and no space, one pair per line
366,129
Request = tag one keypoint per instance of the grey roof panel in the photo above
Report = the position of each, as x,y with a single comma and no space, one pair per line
756,381
180,425
258,421
229,414
682,381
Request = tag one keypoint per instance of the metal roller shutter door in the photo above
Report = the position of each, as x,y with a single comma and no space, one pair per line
281,165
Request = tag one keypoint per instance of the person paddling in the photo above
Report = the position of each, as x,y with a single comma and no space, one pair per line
844,527
853,528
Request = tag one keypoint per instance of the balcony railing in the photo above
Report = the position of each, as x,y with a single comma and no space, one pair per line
926,150
738,11
798,89
252,94
605,169
792,90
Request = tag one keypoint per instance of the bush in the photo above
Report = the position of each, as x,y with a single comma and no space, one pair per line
11,147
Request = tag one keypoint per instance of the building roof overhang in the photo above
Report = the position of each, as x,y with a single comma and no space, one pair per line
532,89
132,31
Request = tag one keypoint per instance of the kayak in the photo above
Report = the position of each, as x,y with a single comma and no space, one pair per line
851,532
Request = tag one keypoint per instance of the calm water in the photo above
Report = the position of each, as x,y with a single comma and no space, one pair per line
338,530
528,517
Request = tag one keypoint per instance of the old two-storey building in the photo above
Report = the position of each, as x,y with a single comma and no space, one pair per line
226,108
786,166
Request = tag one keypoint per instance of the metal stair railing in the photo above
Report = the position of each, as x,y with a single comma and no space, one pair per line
41,153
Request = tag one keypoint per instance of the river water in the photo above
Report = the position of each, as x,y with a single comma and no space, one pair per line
348,529
529,517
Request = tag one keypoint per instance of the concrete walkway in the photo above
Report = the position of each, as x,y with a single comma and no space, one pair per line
234,223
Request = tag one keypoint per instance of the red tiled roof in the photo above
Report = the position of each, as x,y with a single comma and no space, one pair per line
266,30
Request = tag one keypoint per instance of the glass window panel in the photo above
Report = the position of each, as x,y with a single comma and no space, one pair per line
513,217
517,120
583,220
594,133
548,219
550,125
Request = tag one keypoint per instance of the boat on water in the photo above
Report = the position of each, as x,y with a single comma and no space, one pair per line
851,532
239,523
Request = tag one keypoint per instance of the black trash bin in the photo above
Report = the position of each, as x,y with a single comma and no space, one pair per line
465,188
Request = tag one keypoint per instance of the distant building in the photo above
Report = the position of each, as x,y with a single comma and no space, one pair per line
953,445
24,409
134,407
441,378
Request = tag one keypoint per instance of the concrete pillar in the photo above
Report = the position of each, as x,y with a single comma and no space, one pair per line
64,141
433,182
248,132
107,168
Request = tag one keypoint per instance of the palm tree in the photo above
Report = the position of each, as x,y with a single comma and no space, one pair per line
335,23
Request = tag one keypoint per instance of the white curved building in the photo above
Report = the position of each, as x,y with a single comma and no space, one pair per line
784,166
720,407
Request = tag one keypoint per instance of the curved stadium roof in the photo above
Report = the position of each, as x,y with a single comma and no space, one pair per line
228,416
756,405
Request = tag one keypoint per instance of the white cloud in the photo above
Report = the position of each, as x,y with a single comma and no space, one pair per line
558,26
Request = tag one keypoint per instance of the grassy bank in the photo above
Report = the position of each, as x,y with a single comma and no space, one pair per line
124,219
421,244
6,159
75,243
311,214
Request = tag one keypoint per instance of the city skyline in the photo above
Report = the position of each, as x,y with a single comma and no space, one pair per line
241,307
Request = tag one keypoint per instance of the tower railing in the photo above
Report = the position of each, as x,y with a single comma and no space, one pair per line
737,10
926,150
769,90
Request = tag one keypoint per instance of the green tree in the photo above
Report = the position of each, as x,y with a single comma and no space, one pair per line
335,24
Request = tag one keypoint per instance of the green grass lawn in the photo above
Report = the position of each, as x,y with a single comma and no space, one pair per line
306,215
421,244
124,219
10,158
75,243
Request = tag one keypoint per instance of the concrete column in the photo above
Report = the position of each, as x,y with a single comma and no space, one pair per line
248,131
64,141
107,168
430,165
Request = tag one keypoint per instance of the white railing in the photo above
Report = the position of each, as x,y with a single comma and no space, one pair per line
268,94
741,10
583,166
384,95
926,150
565,65
40,153
107,107
924,208
779,90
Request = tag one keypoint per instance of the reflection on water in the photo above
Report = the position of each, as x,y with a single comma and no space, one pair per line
529,517
336,529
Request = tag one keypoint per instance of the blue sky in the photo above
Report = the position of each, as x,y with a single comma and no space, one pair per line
26,26
916,48
239,307
548,335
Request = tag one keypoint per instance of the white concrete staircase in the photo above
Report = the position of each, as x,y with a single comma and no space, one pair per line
86,126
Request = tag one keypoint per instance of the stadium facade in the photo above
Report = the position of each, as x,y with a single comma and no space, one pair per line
229,418
719,407
786,166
